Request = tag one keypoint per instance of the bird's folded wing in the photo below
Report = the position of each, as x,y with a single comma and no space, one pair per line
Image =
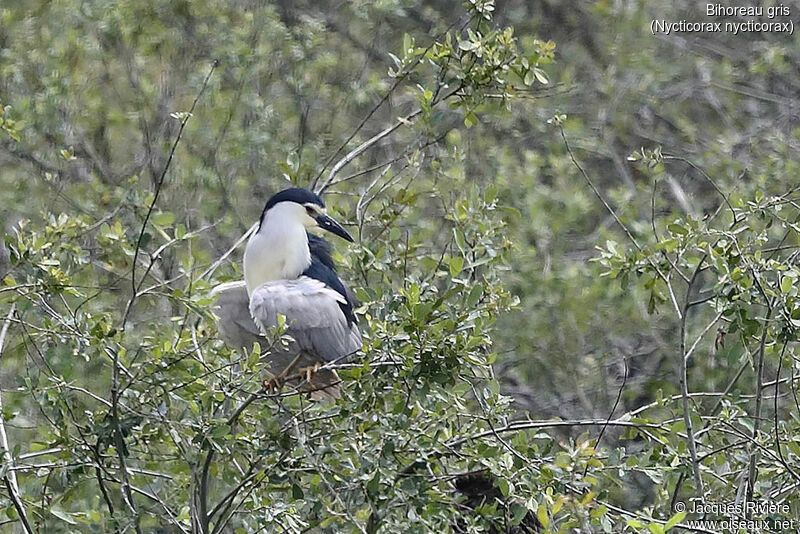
234,323
313,317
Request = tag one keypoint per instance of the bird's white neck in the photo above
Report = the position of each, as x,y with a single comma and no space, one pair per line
277,251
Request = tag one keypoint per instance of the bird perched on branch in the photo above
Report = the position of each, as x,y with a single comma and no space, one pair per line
290,272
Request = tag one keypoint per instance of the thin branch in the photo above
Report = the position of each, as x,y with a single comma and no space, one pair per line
702,334
363,147
119,439
613,408
15,498
529,425
98,473
752,472
10,478
234,491
358,128
655,404
202,490
684,380
222,258
353,154
708,179
159,185
597,191
775,413
618,220
3,436
375,108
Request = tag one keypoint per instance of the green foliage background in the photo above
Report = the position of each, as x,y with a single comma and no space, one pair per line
508,313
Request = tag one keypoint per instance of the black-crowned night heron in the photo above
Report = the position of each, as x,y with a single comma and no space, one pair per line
290,272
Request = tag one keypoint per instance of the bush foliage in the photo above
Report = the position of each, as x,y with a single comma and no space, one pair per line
577,270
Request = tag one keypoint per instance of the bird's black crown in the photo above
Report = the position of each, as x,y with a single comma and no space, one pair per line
295,194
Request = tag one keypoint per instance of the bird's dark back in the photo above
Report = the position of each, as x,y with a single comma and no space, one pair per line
323,268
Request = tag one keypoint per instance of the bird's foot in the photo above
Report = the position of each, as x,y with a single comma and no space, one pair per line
307,372
274,384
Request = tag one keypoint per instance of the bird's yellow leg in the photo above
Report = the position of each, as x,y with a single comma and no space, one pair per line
272,384
275,382
307,372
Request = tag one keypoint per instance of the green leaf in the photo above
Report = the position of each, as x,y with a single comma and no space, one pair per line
220,431
374,484
541,514
786,284
63,516
163,219
563,460
254,356
490,194
529,77
674,520
456,265
475,295
676,228
518,513
504,487
668,245
470,120
406,43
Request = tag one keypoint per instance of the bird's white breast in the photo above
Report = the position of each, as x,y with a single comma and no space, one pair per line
279,250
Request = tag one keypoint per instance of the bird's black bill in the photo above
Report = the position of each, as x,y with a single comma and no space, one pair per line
326,223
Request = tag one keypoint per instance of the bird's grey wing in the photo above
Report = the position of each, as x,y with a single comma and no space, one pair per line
313,317
232,312
238,330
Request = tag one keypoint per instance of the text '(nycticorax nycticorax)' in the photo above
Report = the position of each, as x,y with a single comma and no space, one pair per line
290,272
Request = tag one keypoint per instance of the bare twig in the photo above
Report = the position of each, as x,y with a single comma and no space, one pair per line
596,191
528,425
775,413
159,185
3,435
752,472
622,225
202,490
395,85
684,379
228,252
98,472
15,498
680,311
353,154
119,439
10,478
360,149
358,129
613,408
702,334
705,175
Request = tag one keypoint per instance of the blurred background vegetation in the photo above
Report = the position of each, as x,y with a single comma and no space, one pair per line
94,95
